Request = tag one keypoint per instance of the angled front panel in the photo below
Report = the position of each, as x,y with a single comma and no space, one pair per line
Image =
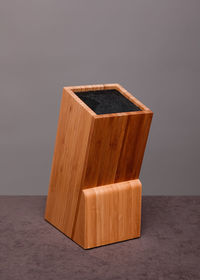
116,149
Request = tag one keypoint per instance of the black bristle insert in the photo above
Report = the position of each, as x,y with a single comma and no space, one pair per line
107,101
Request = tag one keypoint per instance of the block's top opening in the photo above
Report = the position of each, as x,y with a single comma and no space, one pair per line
107,101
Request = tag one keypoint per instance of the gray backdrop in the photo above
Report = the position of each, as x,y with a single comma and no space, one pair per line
152,48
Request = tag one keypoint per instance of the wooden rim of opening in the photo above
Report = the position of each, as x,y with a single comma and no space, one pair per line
72,89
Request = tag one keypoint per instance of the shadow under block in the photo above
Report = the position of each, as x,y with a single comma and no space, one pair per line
95,194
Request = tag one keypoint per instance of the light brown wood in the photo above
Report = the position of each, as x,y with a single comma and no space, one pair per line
94,157
109,214
116,149
71,146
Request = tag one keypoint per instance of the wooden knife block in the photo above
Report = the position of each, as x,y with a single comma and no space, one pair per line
94,194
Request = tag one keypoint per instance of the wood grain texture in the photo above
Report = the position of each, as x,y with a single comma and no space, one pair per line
116,149
73,133
109,214
95,156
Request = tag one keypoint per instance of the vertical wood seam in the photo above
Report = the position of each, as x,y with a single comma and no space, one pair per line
122,147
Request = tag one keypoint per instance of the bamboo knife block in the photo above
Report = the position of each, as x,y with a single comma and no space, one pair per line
95,193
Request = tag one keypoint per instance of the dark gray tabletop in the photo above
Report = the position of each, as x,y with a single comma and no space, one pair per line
169,248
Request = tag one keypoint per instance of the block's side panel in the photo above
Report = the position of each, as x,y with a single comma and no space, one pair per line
133,147
112,213
104,150
68,163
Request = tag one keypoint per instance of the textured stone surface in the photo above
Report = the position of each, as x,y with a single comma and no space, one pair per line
30,248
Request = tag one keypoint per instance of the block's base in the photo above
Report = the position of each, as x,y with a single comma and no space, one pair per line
108,214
